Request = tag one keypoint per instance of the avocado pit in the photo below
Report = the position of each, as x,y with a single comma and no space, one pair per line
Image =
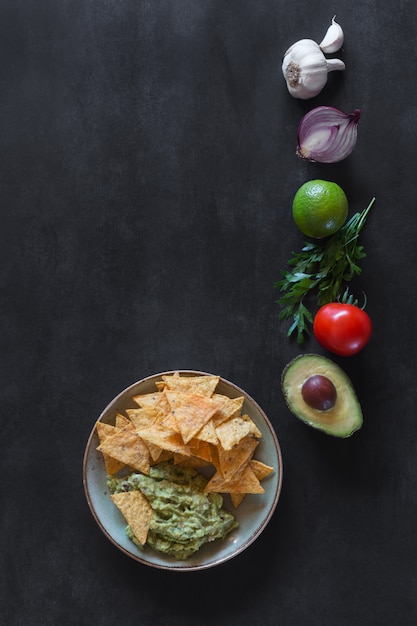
319,392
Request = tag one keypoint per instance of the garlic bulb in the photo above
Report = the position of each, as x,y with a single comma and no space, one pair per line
305,69
333,39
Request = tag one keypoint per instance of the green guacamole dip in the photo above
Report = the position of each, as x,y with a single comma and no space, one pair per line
185,517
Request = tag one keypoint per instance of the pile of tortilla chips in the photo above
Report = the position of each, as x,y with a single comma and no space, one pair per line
187,422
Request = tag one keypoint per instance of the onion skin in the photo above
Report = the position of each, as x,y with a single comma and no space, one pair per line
327,134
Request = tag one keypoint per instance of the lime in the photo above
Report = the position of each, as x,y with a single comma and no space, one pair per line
319,208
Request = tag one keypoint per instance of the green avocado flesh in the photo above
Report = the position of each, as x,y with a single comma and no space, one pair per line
184,516
344,417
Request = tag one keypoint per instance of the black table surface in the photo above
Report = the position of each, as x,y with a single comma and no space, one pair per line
147,174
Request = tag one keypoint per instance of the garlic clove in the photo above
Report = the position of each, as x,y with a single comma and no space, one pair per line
335,64
333,39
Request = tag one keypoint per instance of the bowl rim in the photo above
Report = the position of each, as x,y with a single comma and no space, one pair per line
250,539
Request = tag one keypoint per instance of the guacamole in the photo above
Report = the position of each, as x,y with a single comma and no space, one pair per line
185,517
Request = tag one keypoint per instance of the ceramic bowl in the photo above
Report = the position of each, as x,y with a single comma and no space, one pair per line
253,514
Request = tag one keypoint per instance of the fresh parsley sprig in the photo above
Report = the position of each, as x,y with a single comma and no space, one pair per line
319,271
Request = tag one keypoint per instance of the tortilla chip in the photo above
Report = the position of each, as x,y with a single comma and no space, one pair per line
121,421
201,449
155,403
137,512
254,430
170,423
231,461
126,446
141,418
228,407
232,431
260,469
191,412
236,428
198,385
154,451
104,430
215,457
208,433
237,499
166,455
112,465
166,439
190,461
244,481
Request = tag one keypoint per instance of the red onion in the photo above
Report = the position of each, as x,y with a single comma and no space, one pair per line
327,135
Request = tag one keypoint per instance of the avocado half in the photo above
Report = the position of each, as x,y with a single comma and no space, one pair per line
344,417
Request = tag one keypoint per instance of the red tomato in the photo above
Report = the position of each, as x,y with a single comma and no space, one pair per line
342,328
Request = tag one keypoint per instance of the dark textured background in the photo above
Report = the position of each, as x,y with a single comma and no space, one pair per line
147,171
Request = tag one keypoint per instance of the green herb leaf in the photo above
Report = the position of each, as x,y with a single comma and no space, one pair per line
321,270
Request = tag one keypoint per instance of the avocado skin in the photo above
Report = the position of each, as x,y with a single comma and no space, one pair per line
344,418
